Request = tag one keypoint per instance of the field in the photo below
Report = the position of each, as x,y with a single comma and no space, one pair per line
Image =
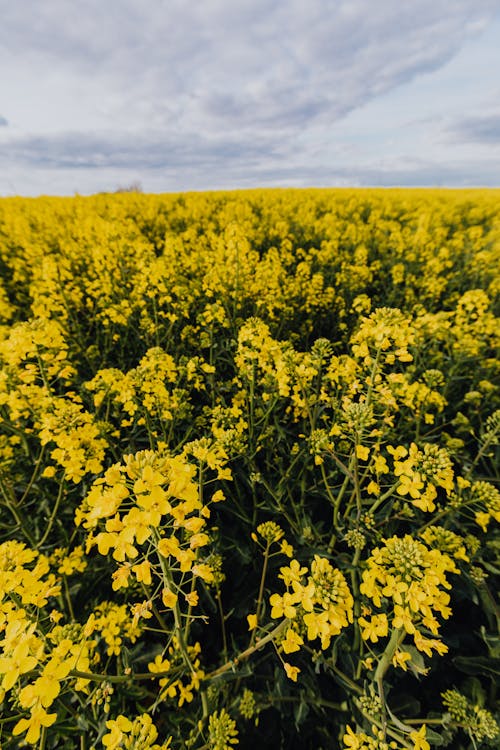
249,470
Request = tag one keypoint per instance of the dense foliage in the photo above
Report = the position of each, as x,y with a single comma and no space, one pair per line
248,478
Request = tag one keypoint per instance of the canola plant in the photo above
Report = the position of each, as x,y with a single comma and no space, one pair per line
249,470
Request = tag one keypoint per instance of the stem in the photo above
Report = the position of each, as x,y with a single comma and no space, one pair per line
119,678
383,497
260,643
68,598
261,592
43,738
339,500
167,578
33,476
356,597
223,626
481,452
385,729
397,636
53,515
12,505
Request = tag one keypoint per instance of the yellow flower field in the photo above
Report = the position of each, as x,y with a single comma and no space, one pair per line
249,470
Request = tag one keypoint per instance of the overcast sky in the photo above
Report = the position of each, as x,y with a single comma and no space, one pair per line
180,95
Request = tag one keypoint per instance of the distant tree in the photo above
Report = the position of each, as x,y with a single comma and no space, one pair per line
134,187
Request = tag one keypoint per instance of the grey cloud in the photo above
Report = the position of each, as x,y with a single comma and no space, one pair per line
221,91
104,161
103,151
403,172
484,129
3,122
226,65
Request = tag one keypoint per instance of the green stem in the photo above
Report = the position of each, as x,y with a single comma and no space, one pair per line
261,592
68,598
378,502
223,626
397,636
260,643
12,504
52,516
43,738
481,452
179,632
381,725
33,476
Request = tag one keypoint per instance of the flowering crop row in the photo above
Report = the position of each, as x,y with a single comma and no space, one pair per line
248,470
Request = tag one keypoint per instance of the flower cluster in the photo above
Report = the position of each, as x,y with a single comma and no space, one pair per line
318,603
139,734
198,389
407,580
421,473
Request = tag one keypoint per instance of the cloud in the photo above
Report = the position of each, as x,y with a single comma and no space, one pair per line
239,91
225,65
119,151
3,122
483,129
103,162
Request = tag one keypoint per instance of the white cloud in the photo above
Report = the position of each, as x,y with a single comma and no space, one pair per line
249,88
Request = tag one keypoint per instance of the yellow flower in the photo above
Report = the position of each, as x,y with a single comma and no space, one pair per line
380,465
286,548
120,577
39,718
141,610
292,642
410,485
482,519
374,628
418,739
203,571
192,598
400,658
362,452
199,540
291,672
159,665
168,598
143,572
252,621
351,739
426,500
402,618
292,573
282,606
20,662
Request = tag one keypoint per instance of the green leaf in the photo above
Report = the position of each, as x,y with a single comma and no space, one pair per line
434,738
477,665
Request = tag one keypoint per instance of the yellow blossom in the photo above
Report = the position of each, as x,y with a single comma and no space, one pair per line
292,641
418,739
252,621
291,672
169,598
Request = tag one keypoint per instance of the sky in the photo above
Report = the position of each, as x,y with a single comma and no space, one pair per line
172,95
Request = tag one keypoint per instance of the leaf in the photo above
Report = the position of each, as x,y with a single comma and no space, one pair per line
478,665
300,713
434,738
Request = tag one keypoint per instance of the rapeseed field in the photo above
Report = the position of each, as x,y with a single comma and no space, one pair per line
249,470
